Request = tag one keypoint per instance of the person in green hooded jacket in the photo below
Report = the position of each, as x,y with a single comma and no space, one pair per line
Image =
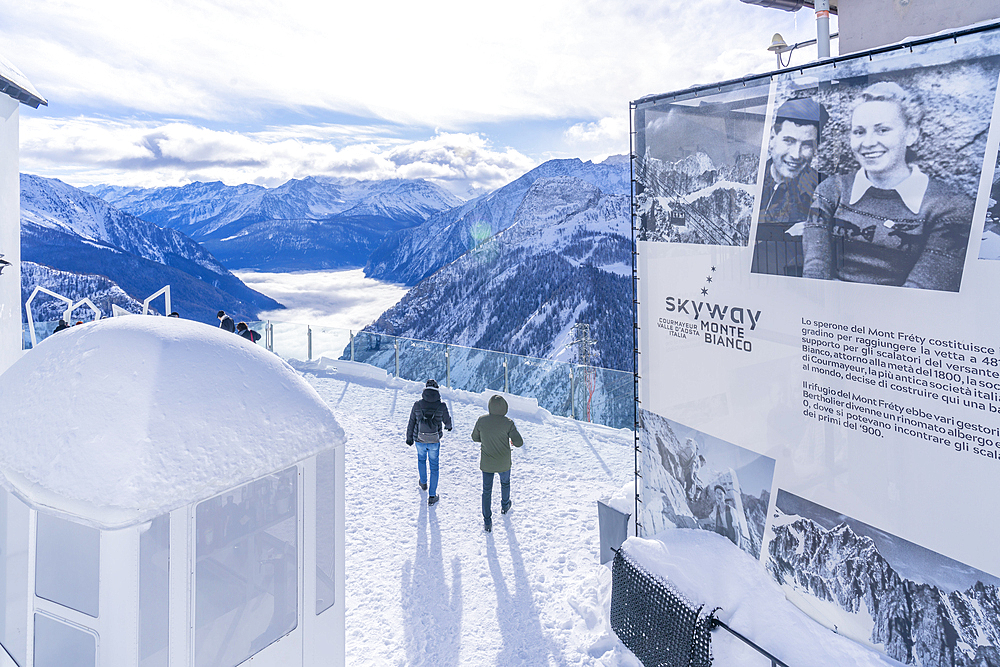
496,433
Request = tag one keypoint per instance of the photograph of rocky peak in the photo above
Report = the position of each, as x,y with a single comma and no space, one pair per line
693,480
917,606
696,167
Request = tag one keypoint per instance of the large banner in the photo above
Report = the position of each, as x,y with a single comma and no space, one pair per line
818,278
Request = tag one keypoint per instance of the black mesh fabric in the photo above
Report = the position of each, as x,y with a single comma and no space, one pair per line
658,624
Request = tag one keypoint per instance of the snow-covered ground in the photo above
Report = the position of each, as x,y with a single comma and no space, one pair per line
427,586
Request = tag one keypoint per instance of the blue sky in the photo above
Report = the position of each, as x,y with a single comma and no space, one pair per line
468,95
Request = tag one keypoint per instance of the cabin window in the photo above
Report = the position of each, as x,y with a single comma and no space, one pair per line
326,529
246,574
68,563
14,519
59,644
154,591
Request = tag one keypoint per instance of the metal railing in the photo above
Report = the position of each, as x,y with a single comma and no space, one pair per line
587,393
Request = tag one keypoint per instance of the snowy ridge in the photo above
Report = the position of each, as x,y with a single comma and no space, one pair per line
411,255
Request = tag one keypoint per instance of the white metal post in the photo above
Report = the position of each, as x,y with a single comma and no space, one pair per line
447,366
822,28
309,343
395,343
352,345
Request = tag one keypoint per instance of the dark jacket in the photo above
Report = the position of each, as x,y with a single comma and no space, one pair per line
433,409
496,432
227,324
250,335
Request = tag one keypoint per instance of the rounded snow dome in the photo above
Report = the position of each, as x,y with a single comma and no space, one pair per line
116,422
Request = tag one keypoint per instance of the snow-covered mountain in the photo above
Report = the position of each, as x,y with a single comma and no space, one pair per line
563,258
915,623
410,255
349,217
64,228
694,201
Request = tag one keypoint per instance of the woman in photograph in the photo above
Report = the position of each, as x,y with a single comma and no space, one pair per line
888,223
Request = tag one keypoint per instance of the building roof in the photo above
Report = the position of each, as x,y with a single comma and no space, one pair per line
116,422
15,84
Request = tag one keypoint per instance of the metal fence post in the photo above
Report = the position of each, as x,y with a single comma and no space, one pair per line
505,374
309,343
572,393
352,344
395,342
447,366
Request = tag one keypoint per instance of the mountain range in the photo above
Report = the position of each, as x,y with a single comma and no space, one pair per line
304,224
67,229
913,622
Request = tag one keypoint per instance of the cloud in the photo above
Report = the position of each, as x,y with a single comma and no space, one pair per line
87,151
608,136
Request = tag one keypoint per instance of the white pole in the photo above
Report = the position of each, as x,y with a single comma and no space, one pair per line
822,28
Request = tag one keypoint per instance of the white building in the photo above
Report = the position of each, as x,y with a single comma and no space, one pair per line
172,495
18,90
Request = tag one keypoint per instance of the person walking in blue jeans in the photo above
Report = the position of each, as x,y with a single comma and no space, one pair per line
496,433
428,417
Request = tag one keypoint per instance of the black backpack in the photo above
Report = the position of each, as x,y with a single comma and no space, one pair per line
428,426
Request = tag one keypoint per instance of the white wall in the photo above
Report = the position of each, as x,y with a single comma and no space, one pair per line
867,24
10,235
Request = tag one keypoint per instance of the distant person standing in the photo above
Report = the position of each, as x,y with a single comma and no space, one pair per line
428,417
226,322
496,433
248,333
62,325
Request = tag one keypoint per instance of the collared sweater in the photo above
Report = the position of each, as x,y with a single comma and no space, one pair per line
879,240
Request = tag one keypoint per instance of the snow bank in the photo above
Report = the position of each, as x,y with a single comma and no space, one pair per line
709,569
118,421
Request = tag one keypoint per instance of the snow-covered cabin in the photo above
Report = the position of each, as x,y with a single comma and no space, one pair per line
172,495
17,90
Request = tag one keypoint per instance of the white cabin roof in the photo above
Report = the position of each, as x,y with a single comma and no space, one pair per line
15,84
116,422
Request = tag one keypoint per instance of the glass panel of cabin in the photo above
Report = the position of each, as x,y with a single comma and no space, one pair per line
67,563
326,527
154,591
14,517
58,644
246,574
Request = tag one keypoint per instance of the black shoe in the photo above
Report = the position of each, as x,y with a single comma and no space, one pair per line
432,499
423,486
506,508
488,526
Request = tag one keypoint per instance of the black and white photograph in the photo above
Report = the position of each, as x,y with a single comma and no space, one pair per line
989,248
913,604
693,480
894,159
696,167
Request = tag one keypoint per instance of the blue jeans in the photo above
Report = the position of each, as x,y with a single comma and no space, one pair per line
428,450
488,492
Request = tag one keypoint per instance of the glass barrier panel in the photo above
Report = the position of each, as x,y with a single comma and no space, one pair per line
291,341
330,342
545,380
375,349
420,360
476,370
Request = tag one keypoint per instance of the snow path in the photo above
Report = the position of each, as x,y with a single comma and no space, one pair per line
426,586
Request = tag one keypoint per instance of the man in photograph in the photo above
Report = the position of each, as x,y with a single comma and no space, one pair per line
789,182
722,516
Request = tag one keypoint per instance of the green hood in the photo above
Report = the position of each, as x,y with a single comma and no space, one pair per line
498,405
